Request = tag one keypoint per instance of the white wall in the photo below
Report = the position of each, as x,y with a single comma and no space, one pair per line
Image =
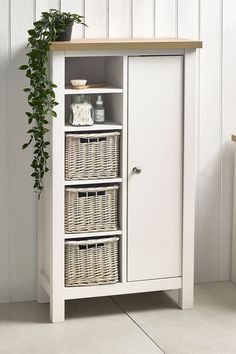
214,21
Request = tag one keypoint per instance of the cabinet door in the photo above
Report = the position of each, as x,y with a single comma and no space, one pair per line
155,145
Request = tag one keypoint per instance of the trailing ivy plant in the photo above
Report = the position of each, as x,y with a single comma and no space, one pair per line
41,95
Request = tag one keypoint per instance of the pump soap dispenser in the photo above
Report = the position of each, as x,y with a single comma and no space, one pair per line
99,111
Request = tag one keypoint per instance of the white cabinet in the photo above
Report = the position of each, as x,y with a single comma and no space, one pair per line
233,261
155,146
150,100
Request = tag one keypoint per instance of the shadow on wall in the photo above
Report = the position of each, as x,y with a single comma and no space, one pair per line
214,215
21,198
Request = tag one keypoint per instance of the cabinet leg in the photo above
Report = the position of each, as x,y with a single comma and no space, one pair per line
57,310
185,298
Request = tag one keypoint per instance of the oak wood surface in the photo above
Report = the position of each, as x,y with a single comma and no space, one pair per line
128,43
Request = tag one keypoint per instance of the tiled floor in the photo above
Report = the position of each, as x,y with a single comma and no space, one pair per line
131,324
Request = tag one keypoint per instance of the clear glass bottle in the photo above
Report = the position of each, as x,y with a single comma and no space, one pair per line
99,111
81,110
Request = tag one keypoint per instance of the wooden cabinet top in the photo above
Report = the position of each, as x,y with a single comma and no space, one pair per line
126,44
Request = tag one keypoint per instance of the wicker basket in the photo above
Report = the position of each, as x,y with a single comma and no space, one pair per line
90,156
91,209
91,262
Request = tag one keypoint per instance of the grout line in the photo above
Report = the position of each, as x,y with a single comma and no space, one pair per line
9,151
154,18
177,18
131,19
127,164
146,334
107,19
34,243
198,149
83,10
221,146
34,10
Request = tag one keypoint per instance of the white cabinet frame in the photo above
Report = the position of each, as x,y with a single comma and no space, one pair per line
50,243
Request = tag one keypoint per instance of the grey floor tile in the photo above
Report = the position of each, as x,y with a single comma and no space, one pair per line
93,326
209,328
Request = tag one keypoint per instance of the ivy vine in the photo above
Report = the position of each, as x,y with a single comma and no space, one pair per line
41,95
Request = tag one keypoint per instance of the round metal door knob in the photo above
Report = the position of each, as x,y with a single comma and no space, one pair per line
137,170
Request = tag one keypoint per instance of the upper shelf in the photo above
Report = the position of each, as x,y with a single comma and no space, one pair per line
97,90
126,44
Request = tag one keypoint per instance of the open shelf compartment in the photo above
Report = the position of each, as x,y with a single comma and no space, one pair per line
96,70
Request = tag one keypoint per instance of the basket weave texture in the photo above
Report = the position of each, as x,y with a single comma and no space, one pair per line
91,262
90,156
91,209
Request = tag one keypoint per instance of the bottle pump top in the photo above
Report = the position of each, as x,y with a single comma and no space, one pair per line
99,100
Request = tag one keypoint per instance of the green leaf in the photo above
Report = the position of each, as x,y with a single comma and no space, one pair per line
31,32
54,114
46,33
25,146
23,67
38,24
52,93
46,14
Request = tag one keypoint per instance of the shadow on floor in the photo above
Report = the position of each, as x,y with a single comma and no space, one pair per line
148,301
30,311
33,312
137,302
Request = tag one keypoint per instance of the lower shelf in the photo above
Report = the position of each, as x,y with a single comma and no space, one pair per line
115,289
96,127
122,288
93,181
93,234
